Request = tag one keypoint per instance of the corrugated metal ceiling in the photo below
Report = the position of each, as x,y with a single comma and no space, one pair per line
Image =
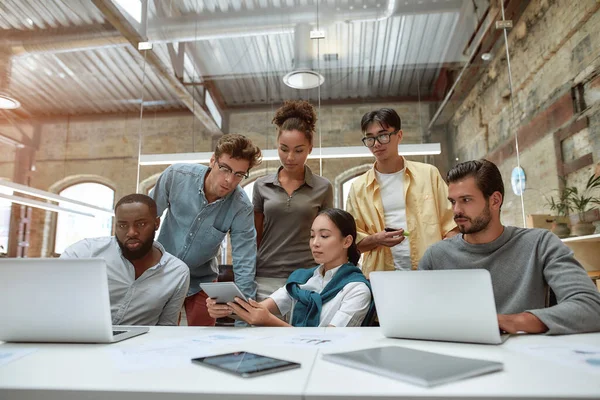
30,14
360,60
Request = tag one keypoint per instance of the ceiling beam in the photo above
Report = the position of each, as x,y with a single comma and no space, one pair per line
119,22
25,139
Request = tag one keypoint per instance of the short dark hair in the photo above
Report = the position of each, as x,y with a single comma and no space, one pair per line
487,176
347,225
386,117
139,198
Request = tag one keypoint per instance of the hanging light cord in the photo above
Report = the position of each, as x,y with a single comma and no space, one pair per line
137,180
514,121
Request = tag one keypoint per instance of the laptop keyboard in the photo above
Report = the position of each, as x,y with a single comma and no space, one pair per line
118,332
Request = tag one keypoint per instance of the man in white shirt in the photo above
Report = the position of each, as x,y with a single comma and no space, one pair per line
147,285
400,206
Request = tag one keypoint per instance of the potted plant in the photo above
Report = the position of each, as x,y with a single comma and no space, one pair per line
562,206
582,202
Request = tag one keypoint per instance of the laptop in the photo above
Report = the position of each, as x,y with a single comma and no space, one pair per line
57,300
418,367
452,305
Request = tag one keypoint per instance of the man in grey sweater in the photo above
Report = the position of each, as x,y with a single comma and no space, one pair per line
521,262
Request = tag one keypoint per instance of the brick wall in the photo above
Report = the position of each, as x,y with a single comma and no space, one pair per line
554,47
105,150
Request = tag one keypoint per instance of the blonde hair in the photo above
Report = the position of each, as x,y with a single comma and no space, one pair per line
239,147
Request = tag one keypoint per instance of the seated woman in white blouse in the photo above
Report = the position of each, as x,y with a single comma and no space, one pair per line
334,293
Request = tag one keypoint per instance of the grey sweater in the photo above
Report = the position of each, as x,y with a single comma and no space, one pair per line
522,262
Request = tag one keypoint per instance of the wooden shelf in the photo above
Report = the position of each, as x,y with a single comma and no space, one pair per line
586,250
594,274
582,239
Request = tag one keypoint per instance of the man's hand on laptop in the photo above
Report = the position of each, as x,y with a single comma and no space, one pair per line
522,322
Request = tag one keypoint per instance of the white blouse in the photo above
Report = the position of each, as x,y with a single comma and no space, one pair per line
348,308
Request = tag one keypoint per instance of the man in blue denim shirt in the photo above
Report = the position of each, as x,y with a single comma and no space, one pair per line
203,205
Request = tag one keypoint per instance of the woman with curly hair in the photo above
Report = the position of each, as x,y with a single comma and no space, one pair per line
286,202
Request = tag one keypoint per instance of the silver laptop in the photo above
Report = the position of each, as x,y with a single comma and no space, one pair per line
57,300
452,305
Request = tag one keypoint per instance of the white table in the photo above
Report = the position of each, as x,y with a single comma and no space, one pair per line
73,371
523,376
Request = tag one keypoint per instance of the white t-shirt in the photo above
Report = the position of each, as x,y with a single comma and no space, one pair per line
394,208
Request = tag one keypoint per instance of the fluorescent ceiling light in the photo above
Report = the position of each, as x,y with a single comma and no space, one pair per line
303,79
40,204
422,149
8,103
11,141
88,209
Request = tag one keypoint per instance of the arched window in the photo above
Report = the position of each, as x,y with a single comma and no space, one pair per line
5,209
346,189
162,217
343,182
71,228
249,189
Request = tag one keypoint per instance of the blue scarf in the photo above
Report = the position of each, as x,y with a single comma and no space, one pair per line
307,311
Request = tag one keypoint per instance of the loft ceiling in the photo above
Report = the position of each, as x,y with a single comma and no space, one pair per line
70,57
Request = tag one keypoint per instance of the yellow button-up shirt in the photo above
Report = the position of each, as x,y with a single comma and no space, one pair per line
428,213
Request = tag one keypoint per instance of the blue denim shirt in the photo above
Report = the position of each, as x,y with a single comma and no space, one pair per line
193,229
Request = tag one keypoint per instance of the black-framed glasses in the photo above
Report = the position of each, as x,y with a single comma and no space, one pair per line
383,138
228,171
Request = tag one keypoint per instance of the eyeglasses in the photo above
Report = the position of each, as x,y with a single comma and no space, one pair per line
228,171
383,138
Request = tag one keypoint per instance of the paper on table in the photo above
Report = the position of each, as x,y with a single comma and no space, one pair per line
575,355
8,355
312,340
170,353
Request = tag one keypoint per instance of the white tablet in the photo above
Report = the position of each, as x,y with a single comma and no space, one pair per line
223,292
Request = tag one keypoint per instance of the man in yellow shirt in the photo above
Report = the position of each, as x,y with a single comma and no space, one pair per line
400,207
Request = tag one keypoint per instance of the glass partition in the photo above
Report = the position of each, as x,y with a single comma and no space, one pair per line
112,92
238,62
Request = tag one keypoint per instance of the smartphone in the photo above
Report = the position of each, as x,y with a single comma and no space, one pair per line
404,233
223,292
246,364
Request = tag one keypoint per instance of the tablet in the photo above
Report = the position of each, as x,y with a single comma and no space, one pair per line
223,292
246,364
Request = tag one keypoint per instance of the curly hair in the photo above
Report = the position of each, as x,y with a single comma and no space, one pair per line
296,115
238,146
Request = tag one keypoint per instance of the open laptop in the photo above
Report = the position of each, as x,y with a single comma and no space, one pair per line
452,305
57,300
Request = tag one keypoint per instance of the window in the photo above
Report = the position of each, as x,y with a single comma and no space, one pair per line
5,208
162,217
71,228
346,189
132,7
249,189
